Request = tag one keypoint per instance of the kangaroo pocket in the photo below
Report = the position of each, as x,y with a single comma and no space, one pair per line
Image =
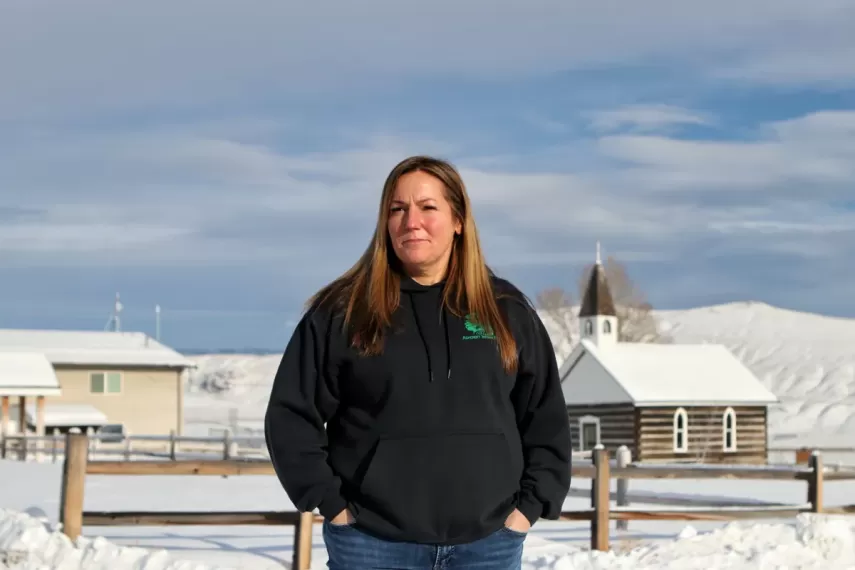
439,488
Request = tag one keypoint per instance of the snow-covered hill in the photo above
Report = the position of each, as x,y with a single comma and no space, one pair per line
807,360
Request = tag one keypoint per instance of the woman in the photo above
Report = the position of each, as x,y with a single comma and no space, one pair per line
417,405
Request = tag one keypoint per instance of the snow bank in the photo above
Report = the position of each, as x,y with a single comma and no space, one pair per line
811,542
26,543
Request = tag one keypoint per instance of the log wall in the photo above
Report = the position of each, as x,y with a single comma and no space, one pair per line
617,425
705,435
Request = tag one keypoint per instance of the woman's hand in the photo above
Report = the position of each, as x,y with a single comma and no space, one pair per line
517,521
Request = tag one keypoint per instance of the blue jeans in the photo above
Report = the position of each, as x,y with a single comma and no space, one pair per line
351,549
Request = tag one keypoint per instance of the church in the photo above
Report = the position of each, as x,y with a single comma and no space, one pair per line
668,403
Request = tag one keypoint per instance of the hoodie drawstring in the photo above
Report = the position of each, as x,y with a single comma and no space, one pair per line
443,316
422,336
444,321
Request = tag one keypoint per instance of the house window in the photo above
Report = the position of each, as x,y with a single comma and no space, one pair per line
589,327
681,431
589,432
728,425
607,327
105,382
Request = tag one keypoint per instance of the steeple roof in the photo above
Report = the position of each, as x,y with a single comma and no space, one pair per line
598,298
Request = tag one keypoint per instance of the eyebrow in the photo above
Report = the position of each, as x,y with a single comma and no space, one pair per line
420,200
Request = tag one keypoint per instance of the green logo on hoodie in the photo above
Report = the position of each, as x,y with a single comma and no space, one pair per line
477,329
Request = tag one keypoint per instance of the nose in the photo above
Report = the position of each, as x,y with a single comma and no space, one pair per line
412,219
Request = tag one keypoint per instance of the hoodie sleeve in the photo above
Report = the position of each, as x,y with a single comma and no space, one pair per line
543,423
303,398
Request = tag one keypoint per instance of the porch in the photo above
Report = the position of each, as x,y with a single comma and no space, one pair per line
24,377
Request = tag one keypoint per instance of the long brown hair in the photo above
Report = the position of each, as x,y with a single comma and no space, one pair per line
369,292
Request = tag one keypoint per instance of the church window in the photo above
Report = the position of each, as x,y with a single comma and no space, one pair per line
589,327
728,425
681,431
607,327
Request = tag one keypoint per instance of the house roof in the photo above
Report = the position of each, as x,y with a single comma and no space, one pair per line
92,348
598,298
27,374
662,374
68,415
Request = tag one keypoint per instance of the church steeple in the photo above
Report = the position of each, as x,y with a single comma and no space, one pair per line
597,316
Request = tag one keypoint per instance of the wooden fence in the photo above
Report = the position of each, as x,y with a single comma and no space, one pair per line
132,447
146,447
77,466
227,446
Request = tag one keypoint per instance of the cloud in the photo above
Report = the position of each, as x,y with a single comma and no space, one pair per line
815,151
165,196
64,62
205,197
645,118
195,146
817,49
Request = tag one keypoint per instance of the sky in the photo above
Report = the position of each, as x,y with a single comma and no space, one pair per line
225,159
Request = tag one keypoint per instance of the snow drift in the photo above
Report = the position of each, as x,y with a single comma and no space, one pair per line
810,542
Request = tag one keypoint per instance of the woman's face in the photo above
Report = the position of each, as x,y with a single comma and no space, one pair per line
422,225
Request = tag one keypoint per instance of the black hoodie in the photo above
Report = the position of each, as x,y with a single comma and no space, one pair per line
431,441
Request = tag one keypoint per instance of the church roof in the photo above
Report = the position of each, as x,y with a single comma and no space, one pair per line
660,375
598,298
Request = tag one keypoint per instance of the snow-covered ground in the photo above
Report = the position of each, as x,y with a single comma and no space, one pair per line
806,360
30,494
810,542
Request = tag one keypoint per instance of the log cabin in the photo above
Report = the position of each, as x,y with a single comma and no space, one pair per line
668,403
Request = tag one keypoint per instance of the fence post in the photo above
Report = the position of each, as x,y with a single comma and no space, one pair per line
815,482
302,558
624,458
600,500
802,456
172,444
227,443
73,480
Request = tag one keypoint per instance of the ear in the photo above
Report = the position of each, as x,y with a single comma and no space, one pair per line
458,228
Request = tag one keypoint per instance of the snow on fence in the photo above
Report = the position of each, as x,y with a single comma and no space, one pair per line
77,466
147,447
135,447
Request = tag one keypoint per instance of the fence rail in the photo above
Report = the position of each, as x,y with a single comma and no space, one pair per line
148,447
77,466
136,447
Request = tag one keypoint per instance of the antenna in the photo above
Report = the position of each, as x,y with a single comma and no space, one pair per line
599,260
157,323
115,323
